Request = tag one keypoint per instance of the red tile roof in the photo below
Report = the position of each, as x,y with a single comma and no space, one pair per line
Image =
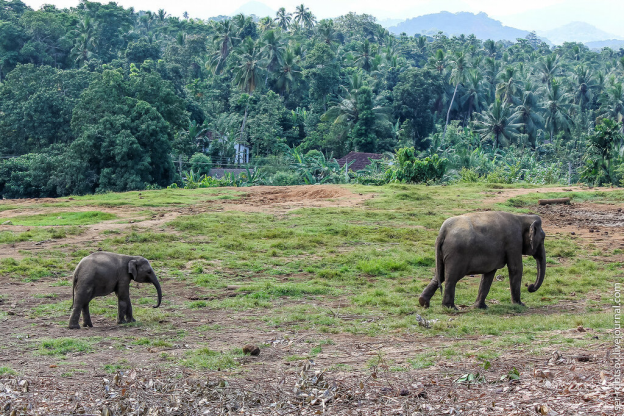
361,160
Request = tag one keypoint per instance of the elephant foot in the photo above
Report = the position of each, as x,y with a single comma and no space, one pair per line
74,326
519,304
424,302
450,307
481,305
121,322
88,324
131,320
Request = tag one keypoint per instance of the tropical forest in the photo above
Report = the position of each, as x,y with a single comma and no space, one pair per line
100,98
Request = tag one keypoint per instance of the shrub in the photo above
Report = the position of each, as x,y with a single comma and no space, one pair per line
201,164
413,170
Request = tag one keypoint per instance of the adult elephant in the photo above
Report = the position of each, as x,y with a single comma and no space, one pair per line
103,273
481,243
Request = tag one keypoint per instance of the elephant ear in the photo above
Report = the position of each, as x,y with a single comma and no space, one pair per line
532,233
132,269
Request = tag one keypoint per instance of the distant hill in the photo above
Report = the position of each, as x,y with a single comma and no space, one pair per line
482,26
256,8
614,44
576,32
390,22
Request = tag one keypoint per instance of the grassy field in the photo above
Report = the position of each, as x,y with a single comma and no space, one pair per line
327,274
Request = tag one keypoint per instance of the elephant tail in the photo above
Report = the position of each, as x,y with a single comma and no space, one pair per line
439,270
73,287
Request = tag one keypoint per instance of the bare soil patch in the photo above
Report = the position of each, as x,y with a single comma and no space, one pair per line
286,198
505,194
598,224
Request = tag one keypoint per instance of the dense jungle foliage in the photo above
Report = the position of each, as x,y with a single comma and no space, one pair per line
100,98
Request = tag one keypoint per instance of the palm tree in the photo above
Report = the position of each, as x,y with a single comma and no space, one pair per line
303,17
326,31
283,19
509,87
584,84
162,15
438,62
289,72
458,76
548,68
345,113
557,109
273,51
490,48
529,113
265,24
496,125
612,101
421,42
474,96
86,43
224,40
248,71
491,71
364,58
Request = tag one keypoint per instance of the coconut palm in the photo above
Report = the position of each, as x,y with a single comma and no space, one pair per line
248,68
303,17
438,62
458,76
557,115
584,84
326,31
283,19
547,68
509,86
474,94
529,113
162,15
289,71
345,113
364,57
265,24
496,125
224,41
612,101
272,51
86,43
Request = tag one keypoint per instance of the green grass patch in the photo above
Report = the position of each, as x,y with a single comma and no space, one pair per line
64,346
63,218
207,359
7,371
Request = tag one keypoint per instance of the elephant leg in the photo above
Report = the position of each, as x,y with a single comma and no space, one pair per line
122,306
75,316
429,291
448,300
515,279
129,316
484,289
86,316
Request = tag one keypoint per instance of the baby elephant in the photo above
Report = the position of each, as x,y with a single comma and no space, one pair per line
102,273
481,243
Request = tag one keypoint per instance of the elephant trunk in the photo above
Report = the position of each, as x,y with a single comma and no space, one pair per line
157,285
540,258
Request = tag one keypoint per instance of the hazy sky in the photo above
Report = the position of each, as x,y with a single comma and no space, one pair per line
527,14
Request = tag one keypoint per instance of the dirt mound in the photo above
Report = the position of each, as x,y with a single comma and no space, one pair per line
296,194
282,198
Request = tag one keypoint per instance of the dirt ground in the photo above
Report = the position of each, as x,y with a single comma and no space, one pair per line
552,383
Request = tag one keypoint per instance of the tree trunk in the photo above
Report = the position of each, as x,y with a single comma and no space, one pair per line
448,114
244,121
